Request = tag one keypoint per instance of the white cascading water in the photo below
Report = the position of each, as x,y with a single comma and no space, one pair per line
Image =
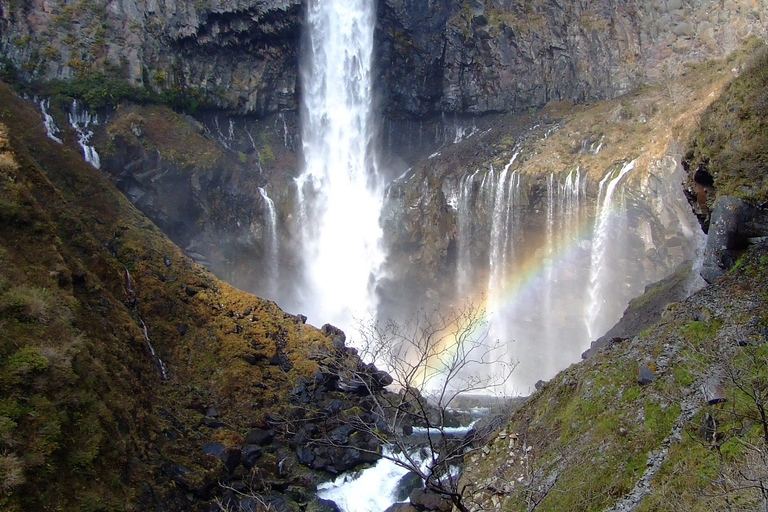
596,324
272,248
371,490
51,130
533,285
339,191
81,121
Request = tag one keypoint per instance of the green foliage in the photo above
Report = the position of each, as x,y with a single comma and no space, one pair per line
27,304
731,142
266,155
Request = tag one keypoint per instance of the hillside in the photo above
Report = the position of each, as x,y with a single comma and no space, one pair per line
130,377
673,417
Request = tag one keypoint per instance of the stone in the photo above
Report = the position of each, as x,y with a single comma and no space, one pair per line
426,500
212,423
259,437
401,507
645,375
304,455
338,338
729,231
713,391
406,485
340,435
321,505
250,454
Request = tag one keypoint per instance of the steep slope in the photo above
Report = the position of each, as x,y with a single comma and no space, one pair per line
672,417
130,378
691,437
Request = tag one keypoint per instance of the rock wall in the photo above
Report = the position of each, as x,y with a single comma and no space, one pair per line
240,54
433,57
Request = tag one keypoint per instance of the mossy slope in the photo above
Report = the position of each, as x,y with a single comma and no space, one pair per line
86,417
586,438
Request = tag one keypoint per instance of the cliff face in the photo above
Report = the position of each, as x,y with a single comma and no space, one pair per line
494,56
238,54
439,56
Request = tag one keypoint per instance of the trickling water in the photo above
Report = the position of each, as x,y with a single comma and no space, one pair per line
272,248
51,130
339,192
600,244
81,120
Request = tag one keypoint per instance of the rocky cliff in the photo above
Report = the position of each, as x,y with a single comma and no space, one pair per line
433,57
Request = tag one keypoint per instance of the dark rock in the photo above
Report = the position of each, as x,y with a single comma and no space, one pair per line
340,435
280,360
230,457
321,505
401,507
246,504
215,449
303,320
338,338
182,328
708,428
178,473
212,412
211,423
301,392
250,454
304,455
734,221
645,375
348,459
406,485
167,261
259,385
259,437
190,291
333,407
713,391
426,500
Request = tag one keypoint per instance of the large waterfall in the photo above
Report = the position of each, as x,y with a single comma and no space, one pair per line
340,195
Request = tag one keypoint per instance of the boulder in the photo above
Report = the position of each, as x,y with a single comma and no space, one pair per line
250,453
733,225
340,435
406,485
338,338
401,507
644,375
260,437
304,455
321,505
427,500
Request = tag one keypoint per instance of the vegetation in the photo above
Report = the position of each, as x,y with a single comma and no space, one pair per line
87,420
731,141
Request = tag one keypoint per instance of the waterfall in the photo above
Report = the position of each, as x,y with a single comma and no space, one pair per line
339,193
534,279
81,120
51,130
600,248
271,249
